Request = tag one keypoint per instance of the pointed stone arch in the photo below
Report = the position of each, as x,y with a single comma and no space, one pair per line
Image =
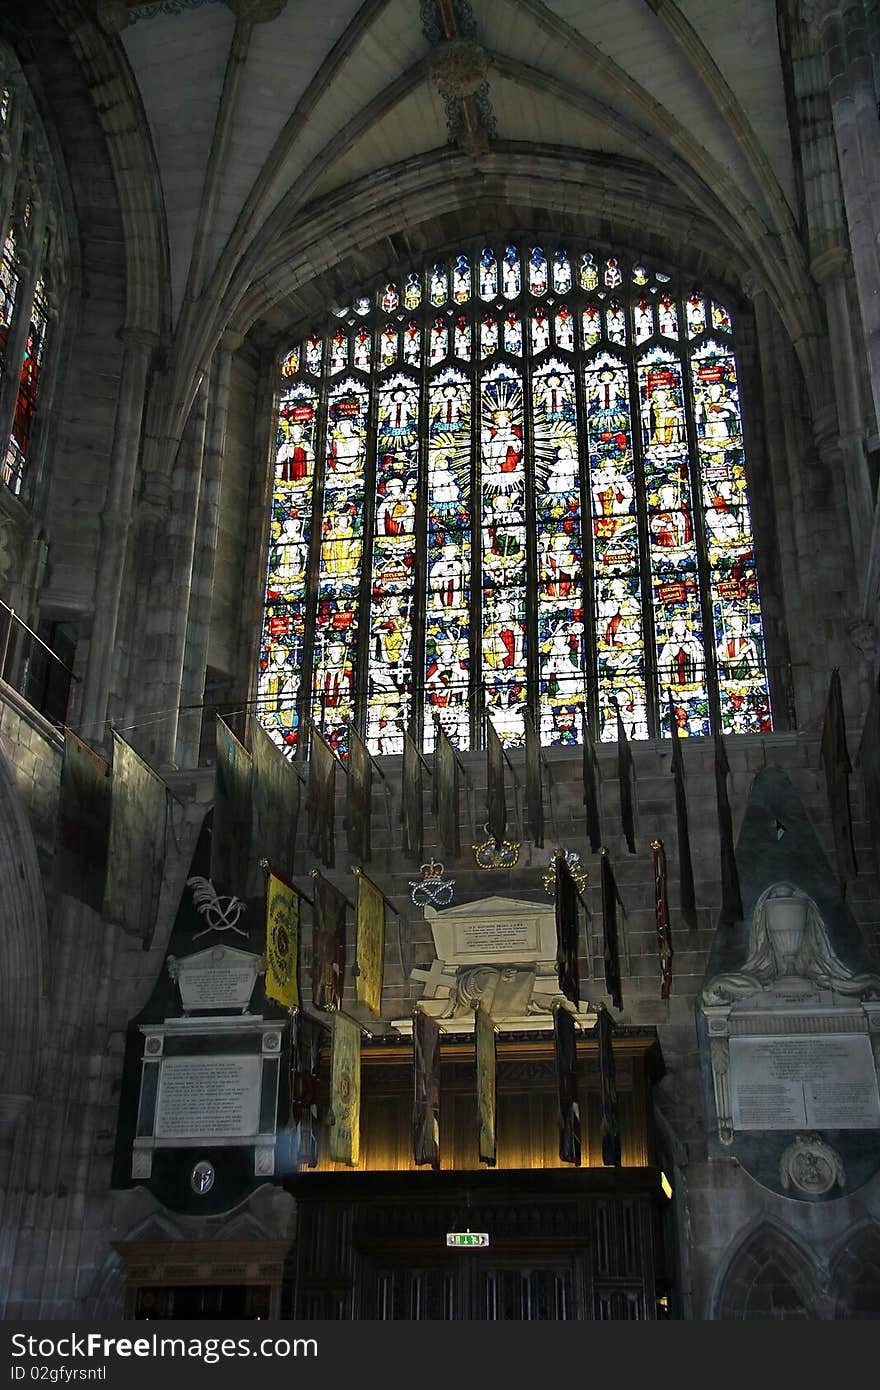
768,1277
855,1273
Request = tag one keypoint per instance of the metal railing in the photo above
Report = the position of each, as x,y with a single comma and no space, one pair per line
15,625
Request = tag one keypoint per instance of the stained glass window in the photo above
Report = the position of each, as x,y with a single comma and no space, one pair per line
18,450
8,292
546,508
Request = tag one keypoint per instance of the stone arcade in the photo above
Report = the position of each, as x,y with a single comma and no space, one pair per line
413,368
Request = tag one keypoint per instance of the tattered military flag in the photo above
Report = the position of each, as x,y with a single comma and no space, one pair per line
411,800
360,797
275,801
661,917
80,868
484,1042
426,1089
565,1045
837,768
869,762
231,833
610,936
626,778
345,1091
687,896
608,1086
496,803
321,798
136,857
282,941
446,794
370,919
731,899
328,944
534,783
591,786
305,1065
567,925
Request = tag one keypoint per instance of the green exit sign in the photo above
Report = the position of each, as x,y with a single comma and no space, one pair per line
471,1240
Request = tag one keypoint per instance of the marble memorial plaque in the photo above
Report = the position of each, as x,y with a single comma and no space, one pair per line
823,1082
219,978
494,929
208,1097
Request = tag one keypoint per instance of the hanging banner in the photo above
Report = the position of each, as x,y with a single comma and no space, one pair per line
80,866
661,916
565,1044
276,802
534,782
626,779
231,833
136,857
731,899
321,796
608,1086
345,1091
496,803
592,780
282,941
370,918
328,944
446,795
567,931
610,936
426,1090
687,897
837,768
360,797
411,800
305,1064
484,1041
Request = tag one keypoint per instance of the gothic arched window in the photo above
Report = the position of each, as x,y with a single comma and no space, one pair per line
513,480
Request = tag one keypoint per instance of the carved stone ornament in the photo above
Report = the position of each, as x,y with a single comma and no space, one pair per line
113,16
8,550
863,635
812,1166
815,12
458,67
256,11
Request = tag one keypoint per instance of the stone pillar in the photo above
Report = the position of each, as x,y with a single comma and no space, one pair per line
175,502
840,25
198,625
116,519
830,271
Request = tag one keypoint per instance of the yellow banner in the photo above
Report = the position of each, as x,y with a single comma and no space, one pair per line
282,942
370,944
345,1091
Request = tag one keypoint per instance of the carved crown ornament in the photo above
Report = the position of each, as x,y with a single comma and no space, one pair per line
458,67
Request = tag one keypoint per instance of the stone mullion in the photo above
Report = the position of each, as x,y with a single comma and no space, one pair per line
646,573
304,694
590,659
687,349
416,721
365,608
532,595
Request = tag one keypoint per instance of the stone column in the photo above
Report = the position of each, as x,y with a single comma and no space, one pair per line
829,270
116,519
198,625
840,25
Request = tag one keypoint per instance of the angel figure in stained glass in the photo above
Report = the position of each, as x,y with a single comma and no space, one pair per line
502,449
563,474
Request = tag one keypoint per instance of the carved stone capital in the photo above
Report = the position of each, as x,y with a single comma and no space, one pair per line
458,67
830,264
753,284
863,635
473,140
113,16
816,12
256,11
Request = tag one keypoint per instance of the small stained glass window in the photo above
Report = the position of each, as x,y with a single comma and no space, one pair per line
540,330
338,353
613,276
439,340
695,308
513,334
615,322
390,299
720,318
362,305
511,278
362,350
565,328
488,336
290,363
488,274
588,274
640,275
412,347
461,280
314,348
643,319
561,272
439,284
463,338
388,346
591,321
667,315
412,293
537,272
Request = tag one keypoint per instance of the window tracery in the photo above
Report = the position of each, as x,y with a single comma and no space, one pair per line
513,479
